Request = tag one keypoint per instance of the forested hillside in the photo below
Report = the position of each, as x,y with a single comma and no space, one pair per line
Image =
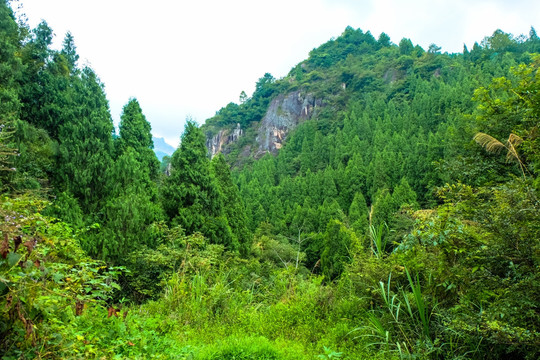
379,201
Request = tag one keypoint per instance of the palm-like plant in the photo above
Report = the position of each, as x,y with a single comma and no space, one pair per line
493,145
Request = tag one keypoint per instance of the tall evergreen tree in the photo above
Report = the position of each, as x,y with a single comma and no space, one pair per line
136,132
129,212
233,206
190,195
358,214
10,68
85,149
338,242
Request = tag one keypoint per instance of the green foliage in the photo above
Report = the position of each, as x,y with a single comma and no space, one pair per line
358,214
45,280
130,213
136,133
242,349
190,195
10,72
391,131
85,151
338,246
233,208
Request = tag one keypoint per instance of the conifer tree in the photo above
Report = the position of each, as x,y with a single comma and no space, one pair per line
330,210
358,214
10,68
338,242
136,132
233,206
403,194
129,211
69,52
382,209
190,195
85,149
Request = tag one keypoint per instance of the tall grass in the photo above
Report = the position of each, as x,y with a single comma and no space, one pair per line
378,239
398,330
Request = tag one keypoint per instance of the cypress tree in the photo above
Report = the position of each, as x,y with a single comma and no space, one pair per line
337,245
86,144
129,211
358,214
136,132
234,207
190,195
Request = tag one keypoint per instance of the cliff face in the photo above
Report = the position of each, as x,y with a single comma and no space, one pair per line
224,137
284,113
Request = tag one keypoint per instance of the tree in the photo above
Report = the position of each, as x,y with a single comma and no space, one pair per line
136,132
233,206
338,242
129,212
69,51
10,71
243,97
382,209
384,40
86,145
190,195
403,194
405,46
434,49
358,214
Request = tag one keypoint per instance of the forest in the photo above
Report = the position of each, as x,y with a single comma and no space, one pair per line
400,221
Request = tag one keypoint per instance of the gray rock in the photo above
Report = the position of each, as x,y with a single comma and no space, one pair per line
284,114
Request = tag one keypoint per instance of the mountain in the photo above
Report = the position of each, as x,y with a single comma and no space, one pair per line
354,72
373,181
161,148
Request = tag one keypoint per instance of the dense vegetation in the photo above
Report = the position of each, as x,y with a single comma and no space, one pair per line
402,221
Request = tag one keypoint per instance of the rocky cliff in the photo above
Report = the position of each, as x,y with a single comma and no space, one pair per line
224,137
284,113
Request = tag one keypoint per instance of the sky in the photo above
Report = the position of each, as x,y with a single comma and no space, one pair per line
185,59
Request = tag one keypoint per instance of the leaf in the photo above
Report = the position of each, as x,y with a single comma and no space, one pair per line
57,277
13,258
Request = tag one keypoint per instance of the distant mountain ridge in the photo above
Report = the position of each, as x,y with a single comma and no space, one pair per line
161,148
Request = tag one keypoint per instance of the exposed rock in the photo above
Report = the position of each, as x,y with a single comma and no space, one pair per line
284,114
224,137
391,76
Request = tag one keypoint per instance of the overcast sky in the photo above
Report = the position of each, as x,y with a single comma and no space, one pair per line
190,58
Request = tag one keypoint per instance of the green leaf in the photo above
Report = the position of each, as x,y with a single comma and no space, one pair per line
13,258
57,277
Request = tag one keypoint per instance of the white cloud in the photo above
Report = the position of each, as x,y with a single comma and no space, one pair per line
183,58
